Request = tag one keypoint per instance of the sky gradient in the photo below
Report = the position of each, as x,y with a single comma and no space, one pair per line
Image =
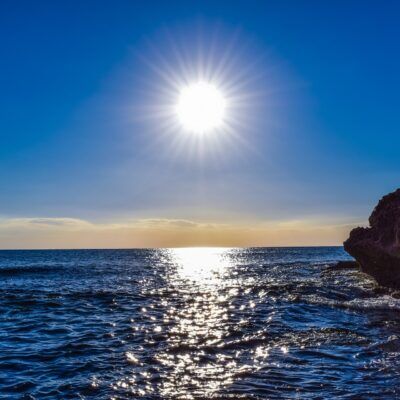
89,156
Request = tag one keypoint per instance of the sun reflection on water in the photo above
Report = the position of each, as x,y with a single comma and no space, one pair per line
201,321
205,265
193,336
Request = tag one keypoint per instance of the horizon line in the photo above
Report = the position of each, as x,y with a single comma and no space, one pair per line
169,248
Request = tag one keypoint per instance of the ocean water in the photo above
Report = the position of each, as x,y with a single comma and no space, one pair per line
257,323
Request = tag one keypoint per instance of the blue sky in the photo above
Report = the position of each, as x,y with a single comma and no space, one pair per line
318,142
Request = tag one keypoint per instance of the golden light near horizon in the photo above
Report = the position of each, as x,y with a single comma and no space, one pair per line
201,107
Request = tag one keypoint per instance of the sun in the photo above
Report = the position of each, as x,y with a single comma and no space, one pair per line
201,107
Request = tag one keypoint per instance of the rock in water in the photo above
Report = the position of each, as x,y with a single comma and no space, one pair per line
345,265
377,248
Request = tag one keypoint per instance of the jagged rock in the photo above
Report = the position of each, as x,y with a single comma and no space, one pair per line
377,248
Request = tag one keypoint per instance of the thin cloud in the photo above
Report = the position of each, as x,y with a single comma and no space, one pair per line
38,222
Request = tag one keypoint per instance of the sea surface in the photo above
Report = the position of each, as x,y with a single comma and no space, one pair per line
257,323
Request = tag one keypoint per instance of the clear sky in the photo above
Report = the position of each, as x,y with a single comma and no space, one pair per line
89,156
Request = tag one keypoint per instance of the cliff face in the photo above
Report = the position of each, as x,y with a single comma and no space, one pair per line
377,248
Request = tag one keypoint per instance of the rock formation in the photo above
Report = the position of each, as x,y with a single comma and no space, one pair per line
377,248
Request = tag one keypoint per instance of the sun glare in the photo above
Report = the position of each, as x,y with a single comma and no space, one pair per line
201,107
201,94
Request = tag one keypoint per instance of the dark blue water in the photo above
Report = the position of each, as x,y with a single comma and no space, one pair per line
194,323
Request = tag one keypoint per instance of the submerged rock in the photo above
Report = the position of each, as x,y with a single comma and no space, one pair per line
341,265
377,248
344,265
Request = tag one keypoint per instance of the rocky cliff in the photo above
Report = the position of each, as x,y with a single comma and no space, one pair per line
377,248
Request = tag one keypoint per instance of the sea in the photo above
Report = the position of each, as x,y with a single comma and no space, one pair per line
195,323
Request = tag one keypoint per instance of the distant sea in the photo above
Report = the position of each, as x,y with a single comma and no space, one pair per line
256,323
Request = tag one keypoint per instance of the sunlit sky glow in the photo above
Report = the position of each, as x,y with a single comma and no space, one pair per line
195,124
